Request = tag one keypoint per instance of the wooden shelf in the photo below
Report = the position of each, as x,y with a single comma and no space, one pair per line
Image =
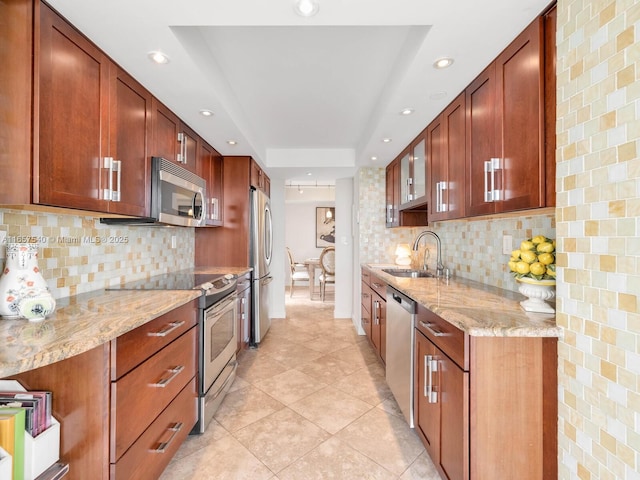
54,472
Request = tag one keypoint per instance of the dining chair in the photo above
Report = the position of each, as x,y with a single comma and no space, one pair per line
328,266
296,273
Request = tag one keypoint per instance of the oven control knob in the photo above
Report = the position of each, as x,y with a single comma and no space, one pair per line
206,286
229,276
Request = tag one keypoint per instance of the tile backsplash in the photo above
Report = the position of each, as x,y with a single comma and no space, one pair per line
471,247
79,254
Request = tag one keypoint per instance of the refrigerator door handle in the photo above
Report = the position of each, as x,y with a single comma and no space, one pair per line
266,280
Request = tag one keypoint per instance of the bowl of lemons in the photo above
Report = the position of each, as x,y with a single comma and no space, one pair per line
534,266
535,260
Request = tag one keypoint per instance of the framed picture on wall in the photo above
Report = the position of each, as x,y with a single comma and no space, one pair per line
325,227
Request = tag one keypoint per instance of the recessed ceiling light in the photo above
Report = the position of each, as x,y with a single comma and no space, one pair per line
158,57
406,111
232,142
206,113
443,62
309,174
374,158
386,140
306,8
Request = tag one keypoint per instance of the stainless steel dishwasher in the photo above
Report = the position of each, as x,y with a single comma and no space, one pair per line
401,315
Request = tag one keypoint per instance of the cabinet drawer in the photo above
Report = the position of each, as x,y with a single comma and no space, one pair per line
150,454
366,276
448,338
138,397
379,287
133,348
365,297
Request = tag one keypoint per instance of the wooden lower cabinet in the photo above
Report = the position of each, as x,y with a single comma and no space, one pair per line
440,409
485,407
374,312
115,424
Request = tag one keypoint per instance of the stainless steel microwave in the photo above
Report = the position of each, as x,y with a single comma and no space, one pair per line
177,198
177,195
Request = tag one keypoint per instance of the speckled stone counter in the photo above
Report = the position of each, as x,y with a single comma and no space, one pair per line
86,321
477,309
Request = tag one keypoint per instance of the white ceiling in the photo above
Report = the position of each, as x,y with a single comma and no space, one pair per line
304,95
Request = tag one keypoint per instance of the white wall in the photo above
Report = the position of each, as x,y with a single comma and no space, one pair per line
279,262
344,252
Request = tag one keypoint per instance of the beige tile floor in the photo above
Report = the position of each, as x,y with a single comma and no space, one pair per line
310,403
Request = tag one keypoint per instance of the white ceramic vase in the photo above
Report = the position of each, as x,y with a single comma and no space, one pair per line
23,290
537,291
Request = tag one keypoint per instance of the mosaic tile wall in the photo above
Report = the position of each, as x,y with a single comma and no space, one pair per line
78,254
598,200
471,248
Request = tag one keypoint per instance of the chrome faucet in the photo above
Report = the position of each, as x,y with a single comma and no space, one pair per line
440,265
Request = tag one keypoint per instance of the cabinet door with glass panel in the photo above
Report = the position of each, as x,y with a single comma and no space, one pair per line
413,173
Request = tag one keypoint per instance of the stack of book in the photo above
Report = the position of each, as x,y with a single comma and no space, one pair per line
24,415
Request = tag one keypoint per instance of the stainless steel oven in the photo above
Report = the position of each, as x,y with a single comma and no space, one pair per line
219,340
217,331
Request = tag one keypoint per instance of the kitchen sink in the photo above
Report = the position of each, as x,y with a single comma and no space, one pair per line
405,272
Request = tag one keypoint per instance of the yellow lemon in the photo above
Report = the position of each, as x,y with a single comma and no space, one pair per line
539,239
512,265
545,247
526,245
515,254
546,258
537,268
529,256
522,267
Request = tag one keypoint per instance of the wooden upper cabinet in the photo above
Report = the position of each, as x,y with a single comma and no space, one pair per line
419,168
172,139
392,194
259,179
91,126
505,129
446,155
210,166
413,173
16,106
130,129
550,22
166,127
71,117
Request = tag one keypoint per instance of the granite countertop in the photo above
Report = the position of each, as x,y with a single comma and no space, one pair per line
477,309
85,321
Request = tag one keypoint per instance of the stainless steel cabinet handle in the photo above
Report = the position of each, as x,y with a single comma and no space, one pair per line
376,306
107,162
163,445
491,167
433,332
166,381
117,167
426,377
182,156
488,195
440,205
214,209
166,330
377,285
433,393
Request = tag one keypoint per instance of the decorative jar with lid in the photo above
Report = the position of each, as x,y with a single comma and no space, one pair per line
23,290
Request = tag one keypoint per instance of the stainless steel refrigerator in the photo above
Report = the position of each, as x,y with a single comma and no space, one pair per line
260,254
